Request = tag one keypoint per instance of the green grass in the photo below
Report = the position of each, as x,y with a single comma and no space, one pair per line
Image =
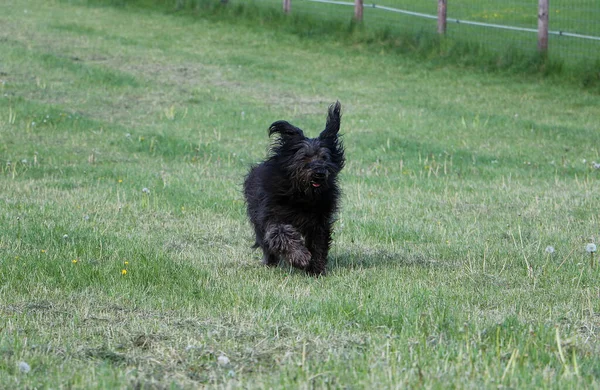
456,182
569,59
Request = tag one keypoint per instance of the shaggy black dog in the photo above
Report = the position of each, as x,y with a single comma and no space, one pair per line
292,197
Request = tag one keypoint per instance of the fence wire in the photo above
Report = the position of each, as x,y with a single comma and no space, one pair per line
495,24
574,25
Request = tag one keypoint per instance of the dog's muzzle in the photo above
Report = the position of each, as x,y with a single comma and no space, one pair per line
318,178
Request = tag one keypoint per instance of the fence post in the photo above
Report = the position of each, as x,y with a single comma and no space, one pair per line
358,10
442,12
543,11
287,6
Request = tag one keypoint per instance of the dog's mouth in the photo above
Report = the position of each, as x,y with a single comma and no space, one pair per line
318,179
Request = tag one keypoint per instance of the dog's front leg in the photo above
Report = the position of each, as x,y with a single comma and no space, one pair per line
284,240
318,245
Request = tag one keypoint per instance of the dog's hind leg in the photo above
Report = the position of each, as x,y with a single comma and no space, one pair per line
286,241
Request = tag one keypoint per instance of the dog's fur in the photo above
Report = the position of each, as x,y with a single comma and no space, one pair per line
293,196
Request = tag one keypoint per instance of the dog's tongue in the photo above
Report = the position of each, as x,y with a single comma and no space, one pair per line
316,185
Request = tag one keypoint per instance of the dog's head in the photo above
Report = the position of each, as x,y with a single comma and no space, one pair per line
312,164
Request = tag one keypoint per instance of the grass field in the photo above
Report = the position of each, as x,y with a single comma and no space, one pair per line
579,17
125,257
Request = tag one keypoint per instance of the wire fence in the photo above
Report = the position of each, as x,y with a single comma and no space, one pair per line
573,25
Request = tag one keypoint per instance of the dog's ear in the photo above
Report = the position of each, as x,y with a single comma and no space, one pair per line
332,127
285,130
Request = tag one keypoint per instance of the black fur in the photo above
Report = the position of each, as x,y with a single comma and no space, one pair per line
293,196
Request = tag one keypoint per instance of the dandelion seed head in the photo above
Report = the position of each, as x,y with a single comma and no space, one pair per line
145,190
550,249
223,360
65,236
24,367
590,248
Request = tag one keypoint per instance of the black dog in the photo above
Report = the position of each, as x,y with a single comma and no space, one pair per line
293,195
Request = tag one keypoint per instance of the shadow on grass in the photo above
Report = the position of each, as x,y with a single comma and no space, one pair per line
361,258
358,257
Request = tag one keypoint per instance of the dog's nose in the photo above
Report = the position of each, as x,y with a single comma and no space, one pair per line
320,175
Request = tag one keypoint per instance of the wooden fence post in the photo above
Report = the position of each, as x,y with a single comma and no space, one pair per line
358,10
442,12
543,11
287,6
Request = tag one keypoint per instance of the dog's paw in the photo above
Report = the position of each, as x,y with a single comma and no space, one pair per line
316,270
270,260
300,258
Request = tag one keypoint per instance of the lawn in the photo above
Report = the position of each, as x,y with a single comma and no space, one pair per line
459,255
575,17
